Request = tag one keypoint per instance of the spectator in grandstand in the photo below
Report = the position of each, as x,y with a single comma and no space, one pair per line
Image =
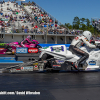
1,9
32,30
99,21
8,3
35,18
24,21
50,31
32,24
1,5
98,38
2,29
3,1
7,8
93,38
95,23
1,12
14,30
26,27
36,26
16,4
23,28
38,31
35,30
20,17
17,31
11,18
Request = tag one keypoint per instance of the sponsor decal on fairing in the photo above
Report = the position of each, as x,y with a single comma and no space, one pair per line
59,61
92,62
88,68
15,70
35,63
27,68
57,49
56,65
45,61
14,45
36,67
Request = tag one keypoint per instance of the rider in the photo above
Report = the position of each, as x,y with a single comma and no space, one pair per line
27,40
77,43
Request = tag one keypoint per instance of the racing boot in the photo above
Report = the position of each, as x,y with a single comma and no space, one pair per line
75,65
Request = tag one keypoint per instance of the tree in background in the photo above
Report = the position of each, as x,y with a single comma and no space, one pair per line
68,25
76,23
82,24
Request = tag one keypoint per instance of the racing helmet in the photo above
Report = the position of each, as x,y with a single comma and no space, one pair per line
87,34
29,37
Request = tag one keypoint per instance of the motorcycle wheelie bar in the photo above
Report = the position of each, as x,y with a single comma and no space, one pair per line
49,65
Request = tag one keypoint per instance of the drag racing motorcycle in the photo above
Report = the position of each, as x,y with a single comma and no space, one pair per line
10,48
61,54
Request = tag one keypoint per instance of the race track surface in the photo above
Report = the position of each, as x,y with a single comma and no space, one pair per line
52,86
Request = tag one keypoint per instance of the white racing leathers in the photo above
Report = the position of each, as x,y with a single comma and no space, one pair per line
75,47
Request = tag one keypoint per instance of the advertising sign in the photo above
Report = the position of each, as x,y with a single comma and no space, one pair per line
21,50
32,50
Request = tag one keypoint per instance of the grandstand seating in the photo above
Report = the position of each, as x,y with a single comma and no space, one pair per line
28,18
96,23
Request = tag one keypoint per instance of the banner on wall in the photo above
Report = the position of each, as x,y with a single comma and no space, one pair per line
32,50
21,50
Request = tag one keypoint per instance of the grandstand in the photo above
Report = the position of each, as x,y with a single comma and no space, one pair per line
96,23
18,21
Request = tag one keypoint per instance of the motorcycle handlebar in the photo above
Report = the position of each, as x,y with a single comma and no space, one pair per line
98,45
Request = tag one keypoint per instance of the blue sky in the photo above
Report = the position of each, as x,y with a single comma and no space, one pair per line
66,10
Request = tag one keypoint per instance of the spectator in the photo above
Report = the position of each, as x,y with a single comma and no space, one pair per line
23,28
95,23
